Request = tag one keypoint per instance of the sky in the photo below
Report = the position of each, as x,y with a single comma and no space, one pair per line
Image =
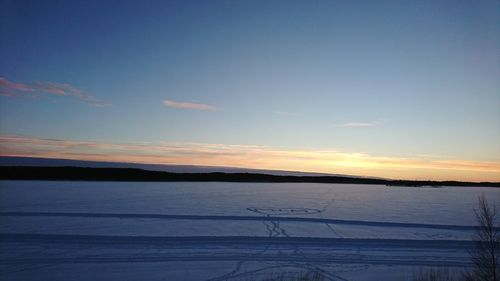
397,89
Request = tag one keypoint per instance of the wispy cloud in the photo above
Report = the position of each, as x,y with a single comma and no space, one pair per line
251,156
188,105
36,89
6,85
359,124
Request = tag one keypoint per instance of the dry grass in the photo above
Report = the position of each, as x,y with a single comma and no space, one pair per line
309,276
435,274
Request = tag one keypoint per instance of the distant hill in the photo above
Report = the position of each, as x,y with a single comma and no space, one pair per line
50,162
133,174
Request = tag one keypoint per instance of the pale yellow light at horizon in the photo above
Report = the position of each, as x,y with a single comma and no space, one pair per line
255,157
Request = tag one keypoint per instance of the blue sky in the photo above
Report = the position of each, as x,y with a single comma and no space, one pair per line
413,80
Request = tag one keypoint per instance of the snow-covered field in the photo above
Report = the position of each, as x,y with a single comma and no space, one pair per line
231,231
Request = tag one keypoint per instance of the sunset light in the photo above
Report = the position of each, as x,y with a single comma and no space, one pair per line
250,140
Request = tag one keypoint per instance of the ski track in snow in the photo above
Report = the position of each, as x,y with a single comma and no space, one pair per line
232,240
28,251
56,241
116,249
272,219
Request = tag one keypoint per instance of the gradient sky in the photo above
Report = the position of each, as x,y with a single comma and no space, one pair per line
402,89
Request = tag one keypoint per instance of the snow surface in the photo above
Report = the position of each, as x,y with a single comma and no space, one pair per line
231,231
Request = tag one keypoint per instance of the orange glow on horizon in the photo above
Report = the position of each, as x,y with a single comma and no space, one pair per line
254,157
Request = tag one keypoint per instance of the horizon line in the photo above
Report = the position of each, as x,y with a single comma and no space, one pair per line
254,171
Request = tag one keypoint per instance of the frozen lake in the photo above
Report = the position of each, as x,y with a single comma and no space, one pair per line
230,231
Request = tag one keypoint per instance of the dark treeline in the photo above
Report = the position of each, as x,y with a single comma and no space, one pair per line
131,174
